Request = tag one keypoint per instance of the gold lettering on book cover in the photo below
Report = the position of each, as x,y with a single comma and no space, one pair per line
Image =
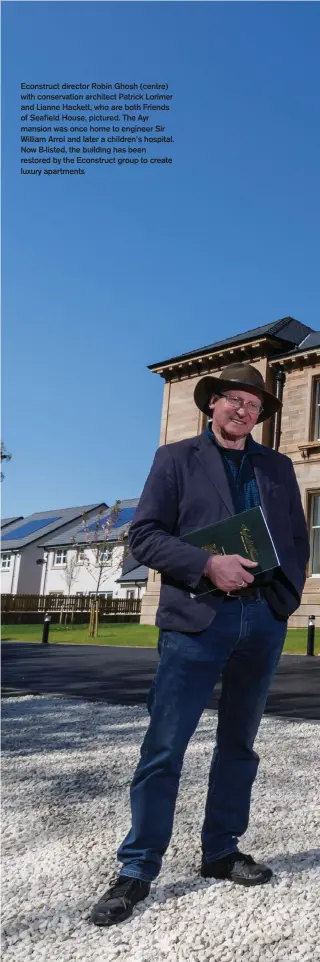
213,548
247,542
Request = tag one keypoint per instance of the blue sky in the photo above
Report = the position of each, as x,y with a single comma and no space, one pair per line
107,273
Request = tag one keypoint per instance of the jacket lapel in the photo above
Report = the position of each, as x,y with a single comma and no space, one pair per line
263,482
211,462
263,469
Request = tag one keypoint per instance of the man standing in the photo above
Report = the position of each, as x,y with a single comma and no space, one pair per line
237,631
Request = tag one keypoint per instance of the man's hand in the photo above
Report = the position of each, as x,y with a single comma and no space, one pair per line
229,571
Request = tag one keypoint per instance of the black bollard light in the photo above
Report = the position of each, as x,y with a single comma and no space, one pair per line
46,626
311,629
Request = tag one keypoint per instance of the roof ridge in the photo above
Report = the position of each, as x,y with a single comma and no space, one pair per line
55,511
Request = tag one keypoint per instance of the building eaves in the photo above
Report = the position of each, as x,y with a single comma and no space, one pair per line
287,330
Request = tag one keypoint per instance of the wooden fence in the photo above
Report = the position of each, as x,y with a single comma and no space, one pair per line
72,604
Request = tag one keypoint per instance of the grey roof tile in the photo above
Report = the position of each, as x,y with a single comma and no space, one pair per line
308,343
136,574
77,532
28,530
6,521
285,329
312,340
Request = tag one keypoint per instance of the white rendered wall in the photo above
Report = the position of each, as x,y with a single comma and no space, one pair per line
9,576
24,576
53,579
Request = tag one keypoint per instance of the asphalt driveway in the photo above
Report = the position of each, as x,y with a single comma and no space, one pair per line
122,676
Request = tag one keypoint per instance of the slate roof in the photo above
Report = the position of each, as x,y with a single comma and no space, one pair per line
77,533
136,574
129,563
309,343
312,340
6,521
38,526
286,330
132,570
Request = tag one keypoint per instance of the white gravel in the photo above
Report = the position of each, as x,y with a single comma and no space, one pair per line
66,771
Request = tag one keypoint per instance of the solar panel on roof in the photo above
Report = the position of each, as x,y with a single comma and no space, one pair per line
126,515
97,525
29,528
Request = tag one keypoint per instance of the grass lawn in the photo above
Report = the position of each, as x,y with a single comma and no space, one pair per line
142,636
129,634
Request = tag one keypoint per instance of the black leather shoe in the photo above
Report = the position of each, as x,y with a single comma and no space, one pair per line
238,868
118,902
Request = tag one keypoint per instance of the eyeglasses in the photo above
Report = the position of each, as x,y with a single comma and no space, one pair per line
237,402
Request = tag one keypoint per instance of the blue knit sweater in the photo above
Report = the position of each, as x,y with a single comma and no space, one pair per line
240,473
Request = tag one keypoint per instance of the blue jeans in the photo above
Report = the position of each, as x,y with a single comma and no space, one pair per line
243,644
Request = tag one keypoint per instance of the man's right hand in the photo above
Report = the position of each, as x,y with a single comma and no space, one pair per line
229,571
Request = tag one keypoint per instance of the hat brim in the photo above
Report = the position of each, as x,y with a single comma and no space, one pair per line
215,385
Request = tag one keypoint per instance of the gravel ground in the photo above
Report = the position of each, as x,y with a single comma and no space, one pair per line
67,767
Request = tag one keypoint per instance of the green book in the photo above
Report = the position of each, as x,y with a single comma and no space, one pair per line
246,534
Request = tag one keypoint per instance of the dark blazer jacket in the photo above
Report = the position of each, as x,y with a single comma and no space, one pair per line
187,488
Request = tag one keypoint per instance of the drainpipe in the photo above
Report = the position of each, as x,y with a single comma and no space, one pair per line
13,571
280,381
45,573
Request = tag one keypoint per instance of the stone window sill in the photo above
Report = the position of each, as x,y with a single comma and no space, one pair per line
309,448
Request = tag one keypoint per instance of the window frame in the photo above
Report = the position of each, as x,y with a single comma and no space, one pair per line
94,594
60,564
314,419
316,410
311,496
6,556
104,561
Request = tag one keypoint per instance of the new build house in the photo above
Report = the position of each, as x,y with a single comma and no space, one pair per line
89,559
22,542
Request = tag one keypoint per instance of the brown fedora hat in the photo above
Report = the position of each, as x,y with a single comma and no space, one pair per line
235,376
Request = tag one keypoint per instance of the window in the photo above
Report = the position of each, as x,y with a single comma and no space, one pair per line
80,556
130,594
109,594
56,594
94,594
5,561
315,534
104,556
60,557
316,412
